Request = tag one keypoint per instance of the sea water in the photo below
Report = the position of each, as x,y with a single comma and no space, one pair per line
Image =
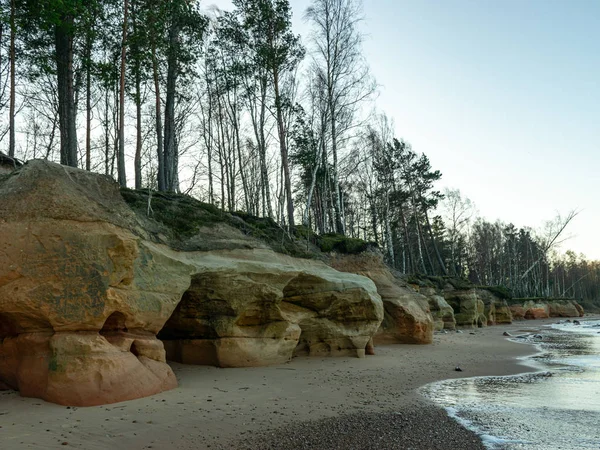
555,406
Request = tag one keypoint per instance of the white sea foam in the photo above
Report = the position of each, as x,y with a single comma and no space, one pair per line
555,408
491,442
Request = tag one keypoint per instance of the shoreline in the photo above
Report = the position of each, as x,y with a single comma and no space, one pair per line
325,403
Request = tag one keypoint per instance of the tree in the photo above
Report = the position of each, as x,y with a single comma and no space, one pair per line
138,57
554,231
339,63
13,92
50,28
458,212
122,176
184,28
279,52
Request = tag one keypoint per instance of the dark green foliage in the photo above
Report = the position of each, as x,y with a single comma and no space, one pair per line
342,244
458,283
304,232
267,230
183,216
438,282
499,291
260,223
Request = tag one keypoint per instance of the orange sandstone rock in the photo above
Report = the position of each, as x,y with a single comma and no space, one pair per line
407,316
68,268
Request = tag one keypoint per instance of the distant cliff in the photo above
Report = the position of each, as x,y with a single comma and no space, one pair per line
543,308
455,302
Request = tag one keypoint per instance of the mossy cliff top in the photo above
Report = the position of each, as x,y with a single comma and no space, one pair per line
189,224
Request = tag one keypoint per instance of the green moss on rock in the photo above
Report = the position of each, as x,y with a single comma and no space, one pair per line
342,244
182,217
182,214
501,292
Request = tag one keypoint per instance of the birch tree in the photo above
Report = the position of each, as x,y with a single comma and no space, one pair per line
337,53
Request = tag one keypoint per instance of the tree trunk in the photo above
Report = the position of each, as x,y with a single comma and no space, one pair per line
106,135
388,231
435,247
208,136
122,176
158,120
170,148
337,202
137,161
63,41
88,102
419,246
313,183
11,113
258,124
287,182
374,225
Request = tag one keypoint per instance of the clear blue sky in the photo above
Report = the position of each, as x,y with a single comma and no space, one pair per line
503,96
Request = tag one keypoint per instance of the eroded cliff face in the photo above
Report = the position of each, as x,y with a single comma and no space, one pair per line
256,307
468,307
84,290
479,307
441,311
453,307
407,317
80,304
496,310
545,308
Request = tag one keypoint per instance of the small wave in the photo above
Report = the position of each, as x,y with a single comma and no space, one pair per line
590,327
555,407
489,441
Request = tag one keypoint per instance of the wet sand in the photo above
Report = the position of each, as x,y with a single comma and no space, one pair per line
308,403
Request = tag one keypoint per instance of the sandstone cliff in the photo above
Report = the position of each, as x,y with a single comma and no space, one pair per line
86,284
459,303
407,317
441,311
99,287
544,308
495,309
455,302
256,307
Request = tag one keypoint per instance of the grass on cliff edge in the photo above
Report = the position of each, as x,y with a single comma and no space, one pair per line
183,216
342,244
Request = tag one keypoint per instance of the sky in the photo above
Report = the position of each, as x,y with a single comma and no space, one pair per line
503,96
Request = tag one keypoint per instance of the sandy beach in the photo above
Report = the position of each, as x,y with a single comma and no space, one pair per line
321,403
